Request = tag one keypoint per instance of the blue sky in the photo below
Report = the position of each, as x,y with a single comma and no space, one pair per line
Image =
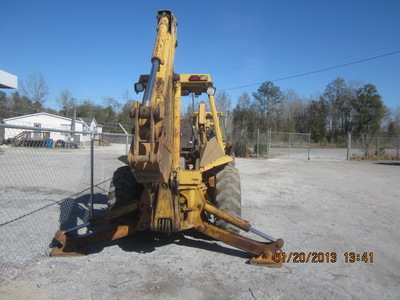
98,49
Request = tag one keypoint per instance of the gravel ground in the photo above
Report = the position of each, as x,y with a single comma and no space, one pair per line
325,205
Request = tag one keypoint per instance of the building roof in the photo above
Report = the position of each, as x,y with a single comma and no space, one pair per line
88,121
37,114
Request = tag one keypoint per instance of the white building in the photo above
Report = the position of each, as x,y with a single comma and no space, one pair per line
42,121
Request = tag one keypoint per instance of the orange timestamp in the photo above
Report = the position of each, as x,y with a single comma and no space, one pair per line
322,257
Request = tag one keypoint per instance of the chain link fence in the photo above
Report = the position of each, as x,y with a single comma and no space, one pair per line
373,147
271,144
298,145
290,141
49,180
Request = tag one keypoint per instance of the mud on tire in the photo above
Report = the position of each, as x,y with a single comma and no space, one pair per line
228,195
124,189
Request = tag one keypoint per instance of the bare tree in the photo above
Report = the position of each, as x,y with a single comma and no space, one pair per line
67,102
114,104
244,101
290,110
223,103
127,96
35,88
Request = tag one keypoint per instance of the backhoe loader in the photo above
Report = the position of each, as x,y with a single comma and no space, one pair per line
179,174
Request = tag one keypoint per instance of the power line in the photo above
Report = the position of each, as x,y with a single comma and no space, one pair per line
317,71
308,49
351,57
248,85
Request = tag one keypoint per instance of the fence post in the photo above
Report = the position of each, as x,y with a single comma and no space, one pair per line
91,173
348,145
258,142
378,146
127,138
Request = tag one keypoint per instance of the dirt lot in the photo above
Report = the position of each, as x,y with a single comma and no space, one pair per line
325,204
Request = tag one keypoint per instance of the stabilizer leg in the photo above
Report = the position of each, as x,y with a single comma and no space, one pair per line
264,251
73,244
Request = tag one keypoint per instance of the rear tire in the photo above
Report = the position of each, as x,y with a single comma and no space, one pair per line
228,196
124,189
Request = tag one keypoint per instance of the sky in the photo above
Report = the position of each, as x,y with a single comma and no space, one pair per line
98,49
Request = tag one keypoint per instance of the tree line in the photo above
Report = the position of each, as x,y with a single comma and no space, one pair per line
343,107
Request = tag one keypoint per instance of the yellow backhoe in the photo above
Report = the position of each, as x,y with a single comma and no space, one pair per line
180,174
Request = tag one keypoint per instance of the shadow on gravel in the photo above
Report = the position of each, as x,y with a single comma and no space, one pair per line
148,241
388,163
74,210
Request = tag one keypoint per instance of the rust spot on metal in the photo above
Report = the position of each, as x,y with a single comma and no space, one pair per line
159,85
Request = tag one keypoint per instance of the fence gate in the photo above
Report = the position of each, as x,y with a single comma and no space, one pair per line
290,143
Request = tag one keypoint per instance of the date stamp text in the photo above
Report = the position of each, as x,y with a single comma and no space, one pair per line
322,257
